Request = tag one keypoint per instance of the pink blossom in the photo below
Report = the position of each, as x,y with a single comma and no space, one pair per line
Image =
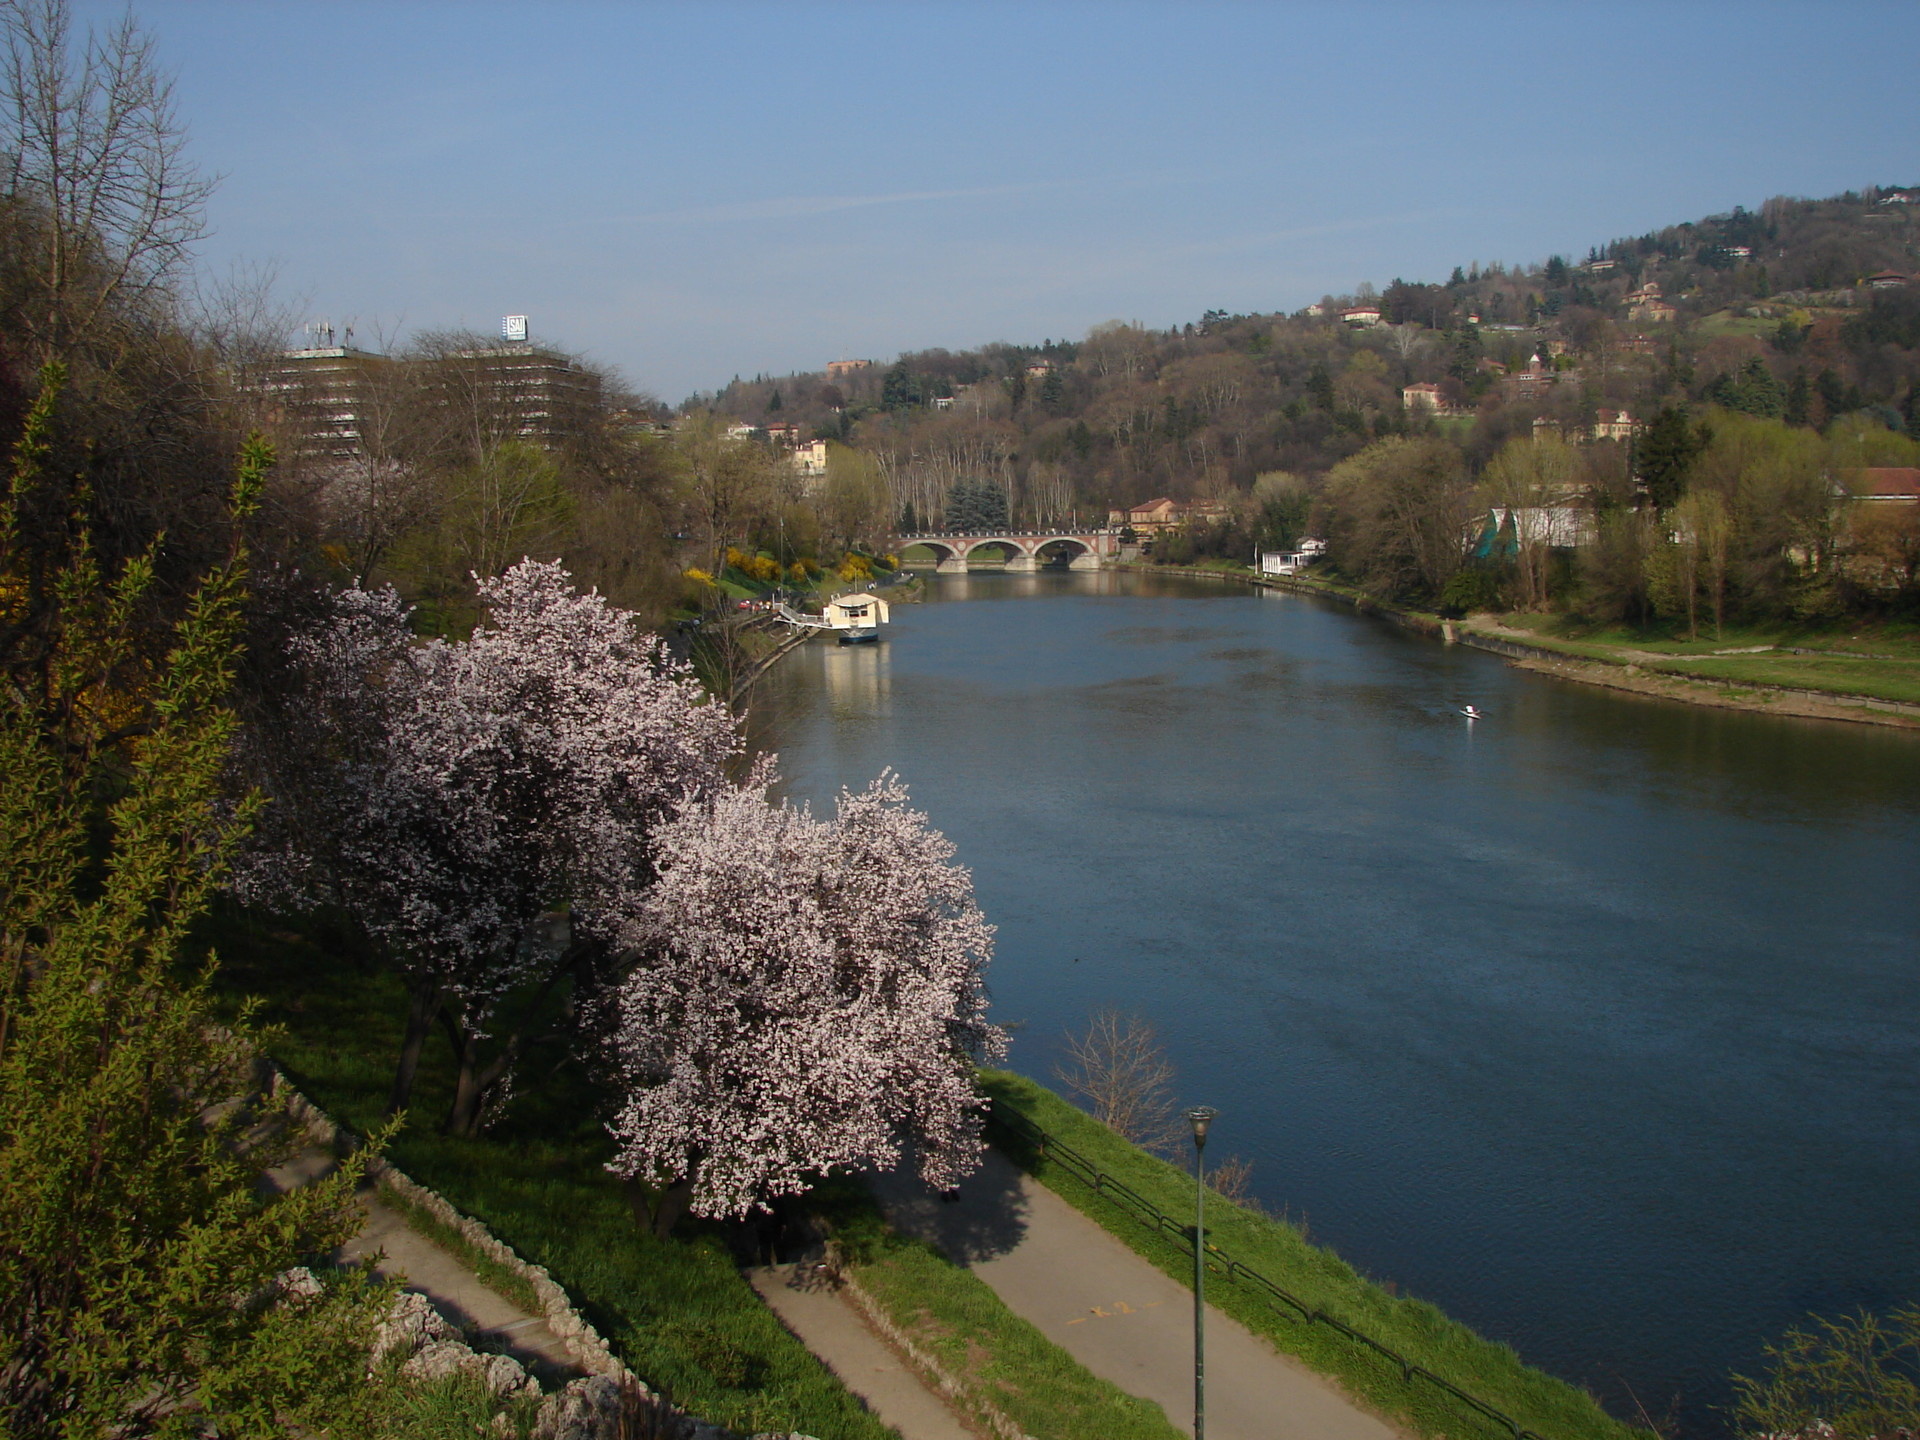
810,999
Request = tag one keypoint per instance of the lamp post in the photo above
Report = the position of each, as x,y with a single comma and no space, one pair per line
1201,1118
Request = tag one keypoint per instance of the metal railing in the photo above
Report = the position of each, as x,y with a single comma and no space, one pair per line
1281,1300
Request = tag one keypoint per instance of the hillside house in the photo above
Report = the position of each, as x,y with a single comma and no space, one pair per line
1612,425
1152,517
810,460
1559,527
1887,280
1646,304
840,369
1883,485
1533,382
1361,315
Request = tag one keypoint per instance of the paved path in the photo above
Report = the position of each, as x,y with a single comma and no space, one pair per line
828,1326
1118,1315
488,1317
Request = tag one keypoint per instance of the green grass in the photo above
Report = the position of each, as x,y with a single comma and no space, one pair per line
953,1315
1897,680
677,1311
1728,322
1880,661
1492,1372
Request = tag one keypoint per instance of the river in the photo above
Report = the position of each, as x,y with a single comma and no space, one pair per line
1593,1022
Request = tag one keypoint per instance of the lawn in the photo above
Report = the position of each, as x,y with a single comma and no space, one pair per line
1491,1372
1881,661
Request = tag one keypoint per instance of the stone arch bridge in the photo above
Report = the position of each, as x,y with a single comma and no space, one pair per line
1018,549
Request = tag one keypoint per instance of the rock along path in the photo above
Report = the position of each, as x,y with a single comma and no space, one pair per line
1120,1316
456,1292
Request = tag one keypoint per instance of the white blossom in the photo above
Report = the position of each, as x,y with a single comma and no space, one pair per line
810,999
450,793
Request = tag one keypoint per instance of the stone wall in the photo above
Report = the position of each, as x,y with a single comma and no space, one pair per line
601,1405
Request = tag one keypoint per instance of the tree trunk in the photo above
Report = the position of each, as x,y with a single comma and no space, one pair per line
420,1016
658,1208
471,1088
476,1081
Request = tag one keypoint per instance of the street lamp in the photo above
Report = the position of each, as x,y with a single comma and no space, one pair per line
1201,1118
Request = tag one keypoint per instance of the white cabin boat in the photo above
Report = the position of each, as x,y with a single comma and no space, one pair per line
857,618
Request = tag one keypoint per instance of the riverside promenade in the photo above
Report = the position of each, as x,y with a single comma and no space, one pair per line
1087,1292
1117,1314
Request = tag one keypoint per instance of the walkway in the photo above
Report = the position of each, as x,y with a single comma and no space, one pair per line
491,1320
828,1326
1118,1315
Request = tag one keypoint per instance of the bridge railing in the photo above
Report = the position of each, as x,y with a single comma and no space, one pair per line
1003,535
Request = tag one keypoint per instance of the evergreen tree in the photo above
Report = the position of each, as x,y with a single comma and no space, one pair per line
142,1273
1751,389
901,389
1667,452
1053,393
775,402
976,507
909,521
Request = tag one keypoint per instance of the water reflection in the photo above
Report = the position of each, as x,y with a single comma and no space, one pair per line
855,676
1593,1021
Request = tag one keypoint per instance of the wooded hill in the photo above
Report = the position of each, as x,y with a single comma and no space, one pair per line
1773,312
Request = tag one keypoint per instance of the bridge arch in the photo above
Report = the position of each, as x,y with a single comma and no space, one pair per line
1009,551
1066,550
944,554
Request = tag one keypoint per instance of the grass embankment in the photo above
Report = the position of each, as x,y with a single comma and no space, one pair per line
1417,1330
1879,661
1863,660
677,1311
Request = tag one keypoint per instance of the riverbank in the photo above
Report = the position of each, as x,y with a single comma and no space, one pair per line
1817,681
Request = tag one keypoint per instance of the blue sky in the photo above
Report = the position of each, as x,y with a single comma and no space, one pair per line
688,191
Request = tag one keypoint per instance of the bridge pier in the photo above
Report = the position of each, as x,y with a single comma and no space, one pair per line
1089,561
955,565
1022,563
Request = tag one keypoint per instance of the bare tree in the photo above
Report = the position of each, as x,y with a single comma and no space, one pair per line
96,165
1408,339
729,483
1119,1068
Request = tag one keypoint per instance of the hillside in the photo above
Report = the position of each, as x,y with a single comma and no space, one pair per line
1774,312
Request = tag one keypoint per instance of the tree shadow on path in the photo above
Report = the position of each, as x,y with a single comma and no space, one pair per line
985,1218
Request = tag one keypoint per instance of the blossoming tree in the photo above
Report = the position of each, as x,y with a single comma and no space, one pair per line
809,998
449,794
